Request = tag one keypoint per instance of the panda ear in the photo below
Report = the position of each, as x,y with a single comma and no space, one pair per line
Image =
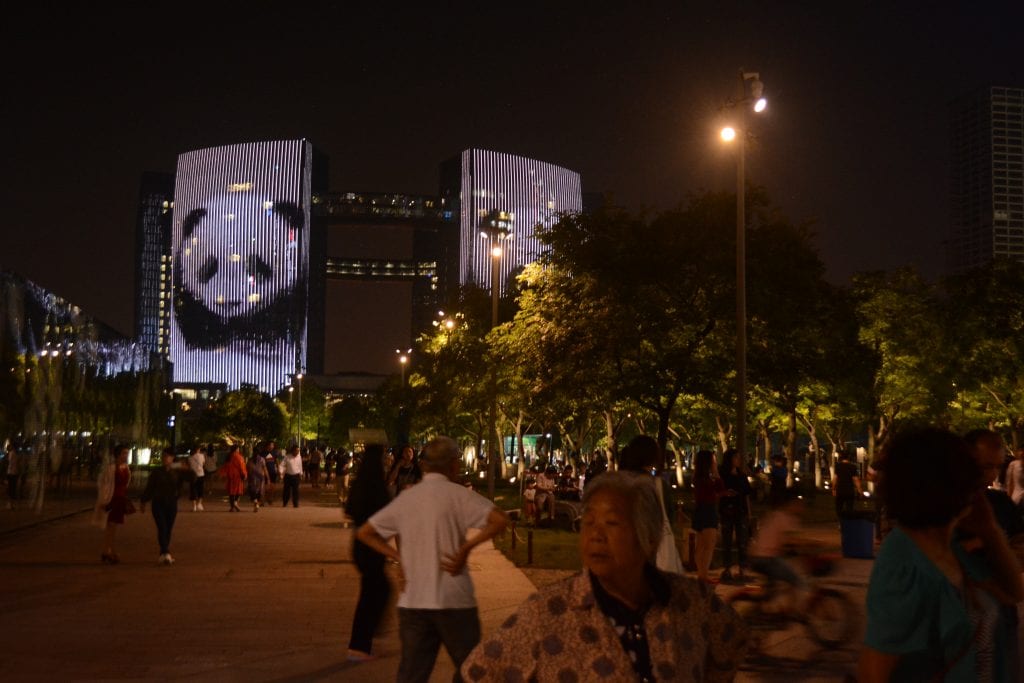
191,221
290,212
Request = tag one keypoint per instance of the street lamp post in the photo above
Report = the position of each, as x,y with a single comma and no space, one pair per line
497,229
738,134
299,377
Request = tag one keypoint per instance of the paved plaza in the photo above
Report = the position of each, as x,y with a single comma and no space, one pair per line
264,596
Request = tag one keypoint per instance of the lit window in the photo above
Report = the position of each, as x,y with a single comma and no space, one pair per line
254,297
235,258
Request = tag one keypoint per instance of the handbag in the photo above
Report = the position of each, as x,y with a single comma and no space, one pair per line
667,558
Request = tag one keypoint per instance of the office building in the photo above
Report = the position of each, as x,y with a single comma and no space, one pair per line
500,199
987,177
153,262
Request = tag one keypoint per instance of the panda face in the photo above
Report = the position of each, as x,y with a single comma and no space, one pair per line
235,262
237,271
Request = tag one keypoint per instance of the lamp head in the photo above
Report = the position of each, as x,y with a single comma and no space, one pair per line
728,134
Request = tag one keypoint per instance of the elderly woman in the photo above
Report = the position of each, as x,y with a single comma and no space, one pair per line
620,619
933,606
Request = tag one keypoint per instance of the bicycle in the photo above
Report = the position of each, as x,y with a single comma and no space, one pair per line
825,613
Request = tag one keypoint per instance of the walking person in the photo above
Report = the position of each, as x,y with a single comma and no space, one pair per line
197,463
845,485
708,488
13,476
933,608
112,504
404,473
272,475
234,474
162,489
734,512
643,455
1015,478
437,605
368,495
290,468
256,476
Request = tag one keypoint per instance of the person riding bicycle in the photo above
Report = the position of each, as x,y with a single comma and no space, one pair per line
774,535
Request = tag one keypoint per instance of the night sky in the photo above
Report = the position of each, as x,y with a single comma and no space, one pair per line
855,137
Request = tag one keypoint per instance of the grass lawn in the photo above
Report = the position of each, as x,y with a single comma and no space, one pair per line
553,548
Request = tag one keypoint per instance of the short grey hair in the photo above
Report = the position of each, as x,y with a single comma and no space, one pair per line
439,454
644,510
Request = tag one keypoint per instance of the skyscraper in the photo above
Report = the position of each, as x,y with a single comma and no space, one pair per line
502,193
153,262
987,177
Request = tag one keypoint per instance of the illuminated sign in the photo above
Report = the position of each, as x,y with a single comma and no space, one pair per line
240,264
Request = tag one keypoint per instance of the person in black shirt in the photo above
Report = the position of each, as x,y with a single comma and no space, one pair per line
368,494
162,489
734,513
845,485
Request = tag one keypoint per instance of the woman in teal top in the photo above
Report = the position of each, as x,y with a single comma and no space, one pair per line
934,608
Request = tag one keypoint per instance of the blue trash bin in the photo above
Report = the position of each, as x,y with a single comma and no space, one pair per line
858,536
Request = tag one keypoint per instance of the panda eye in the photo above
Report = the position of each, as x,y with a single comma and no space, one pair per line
258,268
208,269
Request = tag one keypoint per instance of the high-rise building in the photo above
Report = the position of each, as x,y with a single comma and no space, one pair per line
153,262
504,197
247,270
987,177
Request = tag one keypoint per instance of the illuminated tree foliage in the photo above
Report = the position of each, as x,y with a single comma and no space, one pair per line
985,319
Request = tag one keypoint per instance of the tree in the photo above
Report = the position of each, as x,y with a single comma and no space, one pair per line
900,327
247,416
985,325
637,302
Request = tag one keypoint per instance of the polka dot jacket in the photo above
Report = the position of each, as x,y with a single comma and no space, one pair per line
561,635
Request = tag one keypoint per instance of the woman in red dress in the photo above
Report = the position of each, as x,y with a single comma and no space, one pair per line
235,474
112,502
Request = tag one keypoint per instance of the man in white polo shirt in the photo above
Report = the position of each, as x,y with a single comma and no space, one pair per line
437,604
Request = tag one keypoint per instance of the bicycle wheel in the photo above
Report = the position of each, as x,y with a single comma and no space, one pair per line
830,618
749,609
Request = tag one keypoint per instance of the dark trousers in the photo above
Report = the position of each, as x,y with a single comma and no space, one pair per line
734,529
12,487
374,591
196,488
844,505
164,513
291,490
422,631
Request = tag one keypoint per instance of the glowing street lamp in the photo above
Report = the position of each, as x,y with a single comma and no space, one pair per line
403,358
752,96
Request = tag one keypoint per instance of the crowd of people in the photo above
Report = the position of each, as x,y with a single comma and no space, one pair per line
942,602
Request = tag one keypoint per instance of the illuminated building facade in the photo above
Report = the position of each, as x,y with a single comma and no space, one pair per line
153,262
987,177
35,322
247,273
494,192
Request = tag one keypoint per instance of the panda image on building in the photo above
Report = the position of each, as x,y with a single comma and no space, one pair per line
240,282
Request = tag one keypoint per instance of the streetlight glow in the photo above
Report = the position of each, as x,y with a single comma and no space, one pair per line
728,133
760,105
496,252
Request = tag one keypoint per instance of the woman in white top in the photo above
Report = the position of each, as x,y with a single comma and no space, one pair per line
197,463
1015,478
